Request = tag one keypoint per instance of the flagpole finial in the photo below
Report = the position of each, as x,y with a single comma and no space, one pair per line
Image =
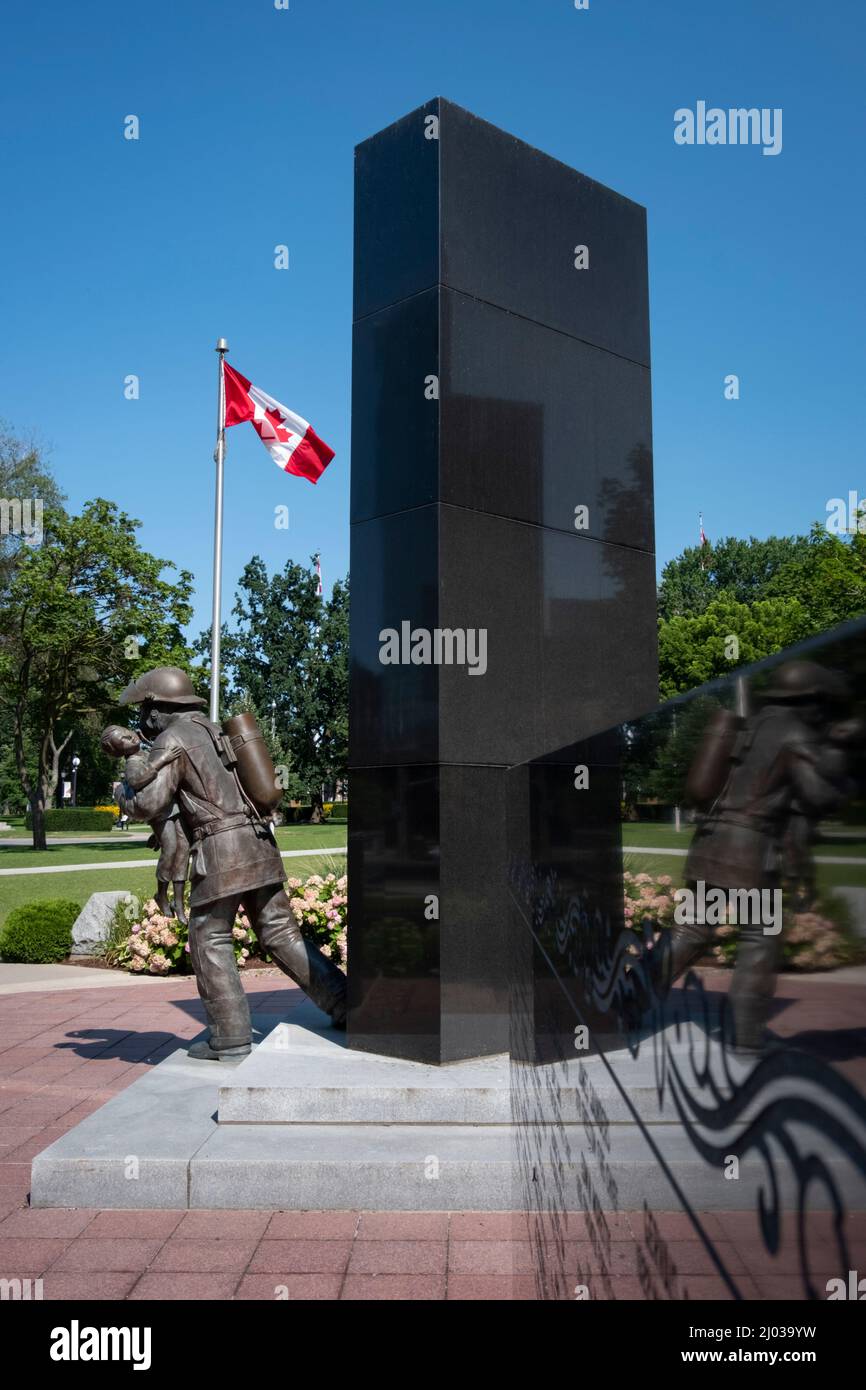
222,345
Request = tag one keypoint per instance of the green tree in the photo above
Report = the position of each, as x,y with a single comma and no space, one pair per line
765,594
85,612
24,478
743,569
291,651
12,799
699,648
827,577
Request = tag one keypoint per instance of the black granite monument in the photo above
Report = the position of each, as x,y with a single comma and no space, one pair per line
503,586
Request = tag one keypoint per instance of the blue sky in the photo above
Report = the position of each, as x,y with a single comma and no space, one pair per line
127,257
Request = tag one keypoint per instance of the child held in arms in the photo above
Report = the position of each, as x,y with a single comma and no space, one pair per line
169,835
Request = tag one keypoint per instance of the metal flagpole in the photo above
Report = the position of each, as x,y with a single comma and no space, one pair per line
219,455
742,703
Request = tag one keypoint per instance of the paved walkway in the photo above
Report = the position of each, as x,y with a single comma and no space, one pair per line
149,863
341,849
33,979
681,854
64,1053
134,836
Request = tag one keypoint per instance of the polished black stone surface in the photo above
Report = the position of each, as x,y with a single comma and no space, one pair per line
565,892
393,709
496,389
488,215
427,855
394,868
396,213
595,873
511,218
560,633
395,409
570,626
474,964
598,618
536,423
529,424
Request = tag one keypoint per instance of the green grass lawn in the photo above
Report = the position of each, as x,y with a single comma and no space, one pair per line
21,857
20,832
78,886
655,836
829,848
75,888
655,864
828,875
17,857
311,836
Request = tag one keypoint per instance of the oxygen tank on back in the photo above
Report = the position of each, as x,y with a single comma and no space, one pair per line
255,768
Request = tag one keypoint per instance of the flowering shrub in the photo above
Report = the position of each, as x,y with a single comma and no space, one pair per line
145,940
157,944
810,941
648,898
319,906
816,940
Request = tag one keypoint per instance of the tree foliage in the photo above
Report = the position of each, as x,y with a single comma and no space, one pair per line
85,612
289,658
743,569
24,476
764,594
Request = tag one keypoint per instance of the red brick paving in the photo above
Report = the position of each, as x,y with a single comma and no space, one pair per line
301,1257
290,1286
403,1226
318,1225
394,1286
64,1053
399,1257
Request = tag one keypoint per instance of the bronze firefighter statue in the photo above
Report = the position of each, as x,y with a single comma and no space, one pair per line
234,854
169,835
762,784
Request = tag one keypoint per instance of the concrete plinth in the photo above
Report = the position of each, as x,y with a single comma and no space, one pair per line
304,1123
303,1074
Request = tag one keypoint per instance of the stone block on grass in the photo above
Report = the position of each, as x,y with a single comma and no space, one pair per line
93,924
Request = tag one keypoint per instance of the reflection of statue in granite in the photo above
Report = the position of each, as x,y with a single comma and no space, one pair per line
235,860
169,835
798,868
782,769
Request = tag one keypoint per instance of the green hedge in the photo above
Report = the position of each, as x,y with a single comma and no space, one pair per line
74,818
300,815
39,933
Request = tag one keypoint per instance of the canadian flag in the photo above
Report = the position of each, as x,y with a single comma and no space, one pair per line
291,441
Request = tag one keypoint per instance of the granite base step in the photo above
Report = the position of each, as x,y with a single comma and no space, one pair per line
303,1123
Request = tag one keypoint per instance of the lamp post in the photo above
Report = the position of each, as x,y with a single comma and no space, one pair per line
76,763
273,716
